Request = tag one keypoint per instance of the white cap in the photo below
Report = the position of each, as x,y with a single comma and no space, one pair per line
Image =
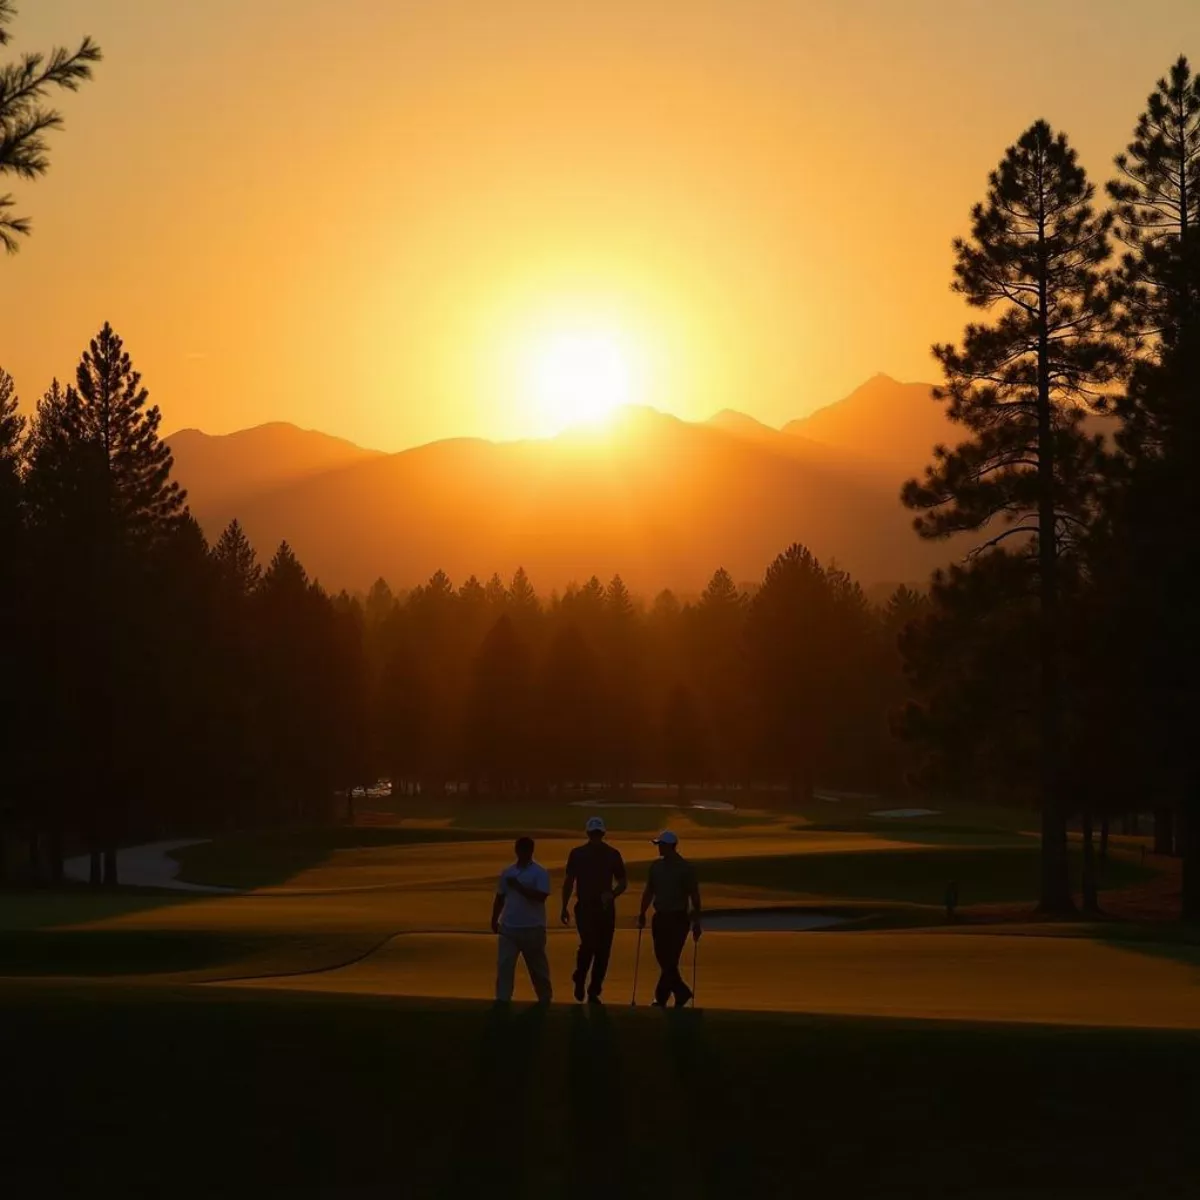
666,838
595,825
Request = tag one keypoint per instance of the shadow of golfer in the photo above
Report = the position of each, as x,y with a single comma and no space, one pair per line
494,1138
596,1107
713,1120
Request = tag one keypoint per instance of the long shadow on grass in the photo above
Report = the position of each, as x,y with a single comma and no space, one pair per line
707,1120
598,1159
493,1142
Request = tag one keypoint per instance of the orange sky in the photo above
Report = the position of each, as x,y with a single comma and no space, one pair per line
357,216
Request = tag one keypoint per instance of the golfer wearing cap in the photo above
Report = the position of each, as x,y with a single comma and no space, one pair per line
596,872
672,886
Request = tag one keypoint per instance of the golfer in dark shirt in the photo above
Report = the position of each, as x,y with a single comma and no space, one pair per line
672,886
596,872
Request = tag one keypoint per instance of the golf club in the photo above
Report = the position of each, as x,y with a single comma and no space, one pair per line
695,952
637,958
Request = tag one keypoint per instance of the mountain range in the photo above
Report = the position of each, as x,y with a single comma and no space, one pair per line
662,501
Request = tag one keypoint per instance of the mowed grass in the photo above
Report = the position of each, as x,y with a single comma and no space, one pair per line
202,1092
271,857
909,974
914,876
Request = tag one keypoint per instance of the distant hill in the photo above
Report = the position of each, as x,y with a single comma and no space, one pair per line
894,424
884,420
662,501
732,421
222,471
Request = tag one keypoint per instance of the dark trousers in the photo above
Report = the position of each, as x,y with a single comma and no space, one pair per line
596,928
670,930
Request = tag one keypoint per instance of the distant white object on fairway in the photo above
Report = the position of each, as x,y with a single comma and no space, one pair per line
905,812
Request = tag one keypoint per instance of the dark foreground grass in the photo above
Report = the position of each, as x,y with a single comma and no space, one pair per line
984,875
200,1092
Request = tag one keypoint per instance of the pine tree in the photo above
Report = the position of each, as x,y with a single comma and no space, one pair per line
498,709
1158,195
13,660
794,660
24,118
715,633
12,457
522,599
721,592
570,708
497,594
380,604
683,739
103,508
107,412
236,562
1020,387
1158,205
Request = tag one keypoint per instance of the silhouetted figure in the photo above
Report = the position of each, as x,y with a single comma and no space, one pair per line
672,886
951,899
596,872
519,917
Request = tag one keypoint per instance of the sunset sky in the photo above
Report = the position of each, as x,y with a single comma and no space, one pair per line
385,220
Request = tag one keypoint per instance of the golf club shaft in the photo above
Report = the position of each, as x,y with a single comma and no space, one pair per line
695,953
637,959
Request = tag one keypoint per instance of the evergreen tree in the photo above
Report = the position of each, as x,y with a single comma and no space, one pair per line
715,635
134,497
13,645
379,605
522,599
103,507
497,595
24,117
570,709
1157,191
498,709
1158,195
1020,387
236,562
683,739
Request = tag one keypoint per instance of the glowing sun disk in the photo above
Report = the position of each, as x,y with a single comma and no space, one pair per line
581,378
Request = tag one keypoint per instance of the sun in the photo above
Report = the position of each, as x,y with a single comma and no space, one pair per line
580,377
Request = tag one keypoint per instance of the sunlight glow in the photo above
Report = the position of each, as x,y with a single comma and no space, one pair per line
580,378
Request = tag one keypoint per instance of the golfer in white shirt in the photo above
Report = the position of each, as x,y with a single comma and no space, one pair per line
519,917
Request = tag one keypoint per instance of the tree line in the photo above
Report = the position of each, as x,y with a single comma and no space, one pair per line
1060,662
154,683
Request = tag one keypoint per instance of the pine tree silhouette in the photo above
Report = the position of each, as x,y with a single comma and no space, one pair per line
236,562
1020,387
24,117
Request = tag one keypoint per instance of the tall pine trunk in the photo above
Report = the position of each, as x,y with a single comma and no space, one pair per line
110,866
1055,882
1104,838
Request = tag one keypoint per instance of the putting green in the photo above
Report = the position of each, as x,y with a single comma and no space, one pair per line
968,977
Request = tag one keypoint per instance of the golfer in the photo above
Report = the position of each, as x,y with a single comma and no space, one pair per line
519,917
596,873
672,887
